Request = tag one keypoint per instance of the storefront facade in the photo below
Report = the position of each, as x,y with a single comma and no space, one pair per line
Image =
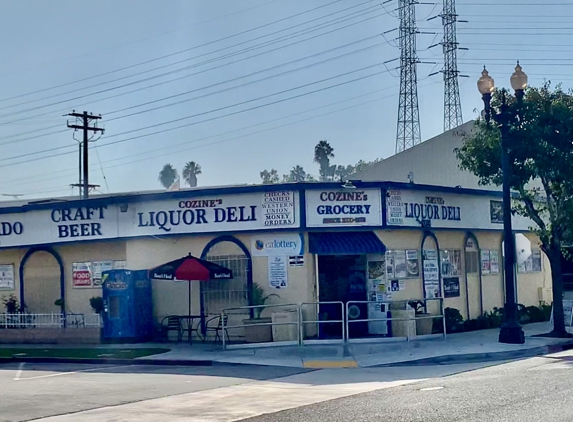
305,242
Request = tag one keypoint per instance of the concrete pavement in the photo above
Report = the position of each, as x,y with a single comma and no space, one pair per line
462,347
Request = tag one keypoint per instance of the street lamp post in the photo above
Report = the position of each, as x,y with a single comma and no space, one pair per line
510,331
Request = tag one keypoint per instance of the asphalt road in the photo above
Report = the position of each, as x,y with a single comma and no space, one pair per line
32,391
537,389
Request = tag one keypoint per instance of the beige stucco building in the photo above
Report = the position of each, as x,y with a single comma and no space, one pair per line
377,242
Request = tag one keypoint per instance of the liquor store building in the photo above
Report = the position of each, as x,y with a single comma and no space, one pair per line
304,242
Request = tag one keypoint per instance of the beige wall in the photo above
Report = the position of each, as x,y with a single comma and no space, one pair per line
172,297
77,299
14,257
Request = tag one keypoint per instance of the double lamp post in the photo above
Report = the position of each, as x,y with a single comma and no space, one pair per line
511,331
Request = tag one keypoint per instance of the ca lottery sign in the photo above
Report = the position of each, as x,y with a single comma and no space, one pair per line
288,244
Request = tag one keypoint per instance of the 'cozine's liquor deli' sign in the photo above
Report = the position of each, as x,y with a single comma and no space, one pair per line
344,207
420,209
225,213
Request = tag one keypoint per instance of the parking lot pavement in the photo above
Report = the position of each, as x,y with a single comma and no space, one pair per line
31,391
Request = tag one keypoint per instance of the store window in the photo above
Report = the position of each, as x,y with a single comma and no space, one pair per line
533,263
472,260
451,262
222,294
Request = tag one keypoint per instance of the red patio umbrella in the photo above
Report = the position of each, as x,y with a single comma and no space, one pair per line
190,268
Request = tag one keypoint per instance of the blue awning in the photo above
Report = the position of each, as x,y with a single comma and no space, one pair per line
345,243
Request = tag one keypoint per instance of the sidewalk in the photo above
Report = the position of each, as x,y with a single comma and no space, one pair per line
457,348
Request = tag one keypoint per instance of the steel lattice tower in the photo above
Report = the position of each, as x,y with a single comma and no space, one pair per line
452,104
408,133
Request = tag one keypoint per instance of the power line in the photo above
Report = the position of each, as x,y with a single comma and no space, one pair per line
308,30
203,113
224,82
173,54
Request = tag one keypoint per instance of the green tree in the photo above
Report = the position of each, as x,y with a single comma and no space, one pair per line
297,174
323,152
541,152
167,175
269,177
342,172
190,173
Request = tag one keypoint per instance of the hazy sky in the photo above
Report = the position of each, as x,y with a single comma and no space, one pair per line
210,58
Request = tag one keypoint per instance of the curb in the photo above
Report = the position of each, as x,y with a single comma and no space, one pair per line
157,362
483,357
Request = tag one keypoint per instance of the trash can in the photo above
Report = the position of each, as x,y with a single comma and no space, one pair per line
285,332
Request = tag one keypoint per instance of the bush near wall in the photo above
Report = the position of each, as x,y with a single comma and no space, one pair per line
526,315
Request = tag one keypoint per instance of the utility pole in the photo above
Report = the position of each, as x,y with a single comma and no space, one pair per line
85,119
408,133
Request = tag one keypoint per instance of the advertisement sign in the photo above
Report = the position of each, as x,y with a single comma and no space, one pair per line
7,277
278,272
451,287
290,244
249,211
431,274
343,208
89,274
82,274
409,208
253,211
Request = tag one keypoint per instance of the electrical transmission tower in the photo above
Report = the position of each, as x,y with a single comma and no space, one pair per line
408,133
452,104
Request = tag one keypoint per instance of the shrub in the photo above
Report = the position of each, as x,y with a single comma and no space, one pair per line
454,320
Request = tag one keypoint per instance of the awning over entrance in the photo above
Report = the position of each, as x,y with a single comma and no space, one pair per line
345,243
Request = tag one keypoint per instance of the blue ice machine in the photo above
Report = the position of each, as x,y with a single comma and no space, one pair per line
127,313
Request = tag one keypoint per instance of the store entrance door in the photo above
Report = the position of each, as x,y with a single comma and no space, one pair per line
342,278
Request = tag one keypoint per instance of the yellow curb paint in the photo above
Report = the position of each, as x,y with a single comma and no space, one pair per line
330,364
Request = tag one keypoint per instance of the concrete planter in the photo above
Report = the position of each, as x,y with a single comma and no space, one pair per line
424,326
258,333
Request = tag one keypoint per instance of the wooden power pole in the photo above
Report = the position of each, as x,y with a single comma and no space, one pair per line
85,119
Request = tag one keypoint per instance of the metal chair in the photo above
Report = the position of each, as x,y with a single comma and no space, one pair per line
216,327
171,323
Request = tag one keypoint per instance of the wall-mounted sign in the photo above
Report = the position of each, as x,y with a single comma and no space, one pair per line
253,211
89,274
343,208
289,244
451,287
409,208
278,272
7,277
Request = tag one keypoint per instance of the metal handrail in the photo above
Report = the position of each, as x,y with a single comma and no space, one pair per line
394,302
225,312
331,321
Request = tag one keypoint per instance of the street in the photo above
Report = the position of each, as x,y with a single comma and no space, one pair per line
526,390
536,389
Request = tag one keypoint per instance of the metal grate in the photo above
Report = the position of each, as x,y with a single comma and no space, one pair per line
222,294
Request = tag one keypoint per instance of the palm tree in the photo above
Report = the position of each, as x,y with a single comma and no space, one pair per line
167,175
190,173
323,152
297,174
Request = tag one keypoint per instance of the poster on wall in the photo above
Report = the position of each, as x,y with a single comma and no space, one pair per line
89,274
278,272
431,274
451,287
485,261
7,277
494,262
400,268
412,263
82,274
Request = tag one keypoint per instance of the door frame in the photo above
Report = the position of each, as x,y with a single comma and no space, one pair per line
58,259
468,236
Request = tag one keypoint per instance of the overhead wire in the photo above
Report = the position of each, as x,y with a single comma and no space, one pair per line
186,68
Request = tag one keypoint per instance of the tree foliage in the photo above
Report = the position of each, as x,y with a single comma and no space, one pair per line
540,144
167,175
269,177
323,152
190,173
